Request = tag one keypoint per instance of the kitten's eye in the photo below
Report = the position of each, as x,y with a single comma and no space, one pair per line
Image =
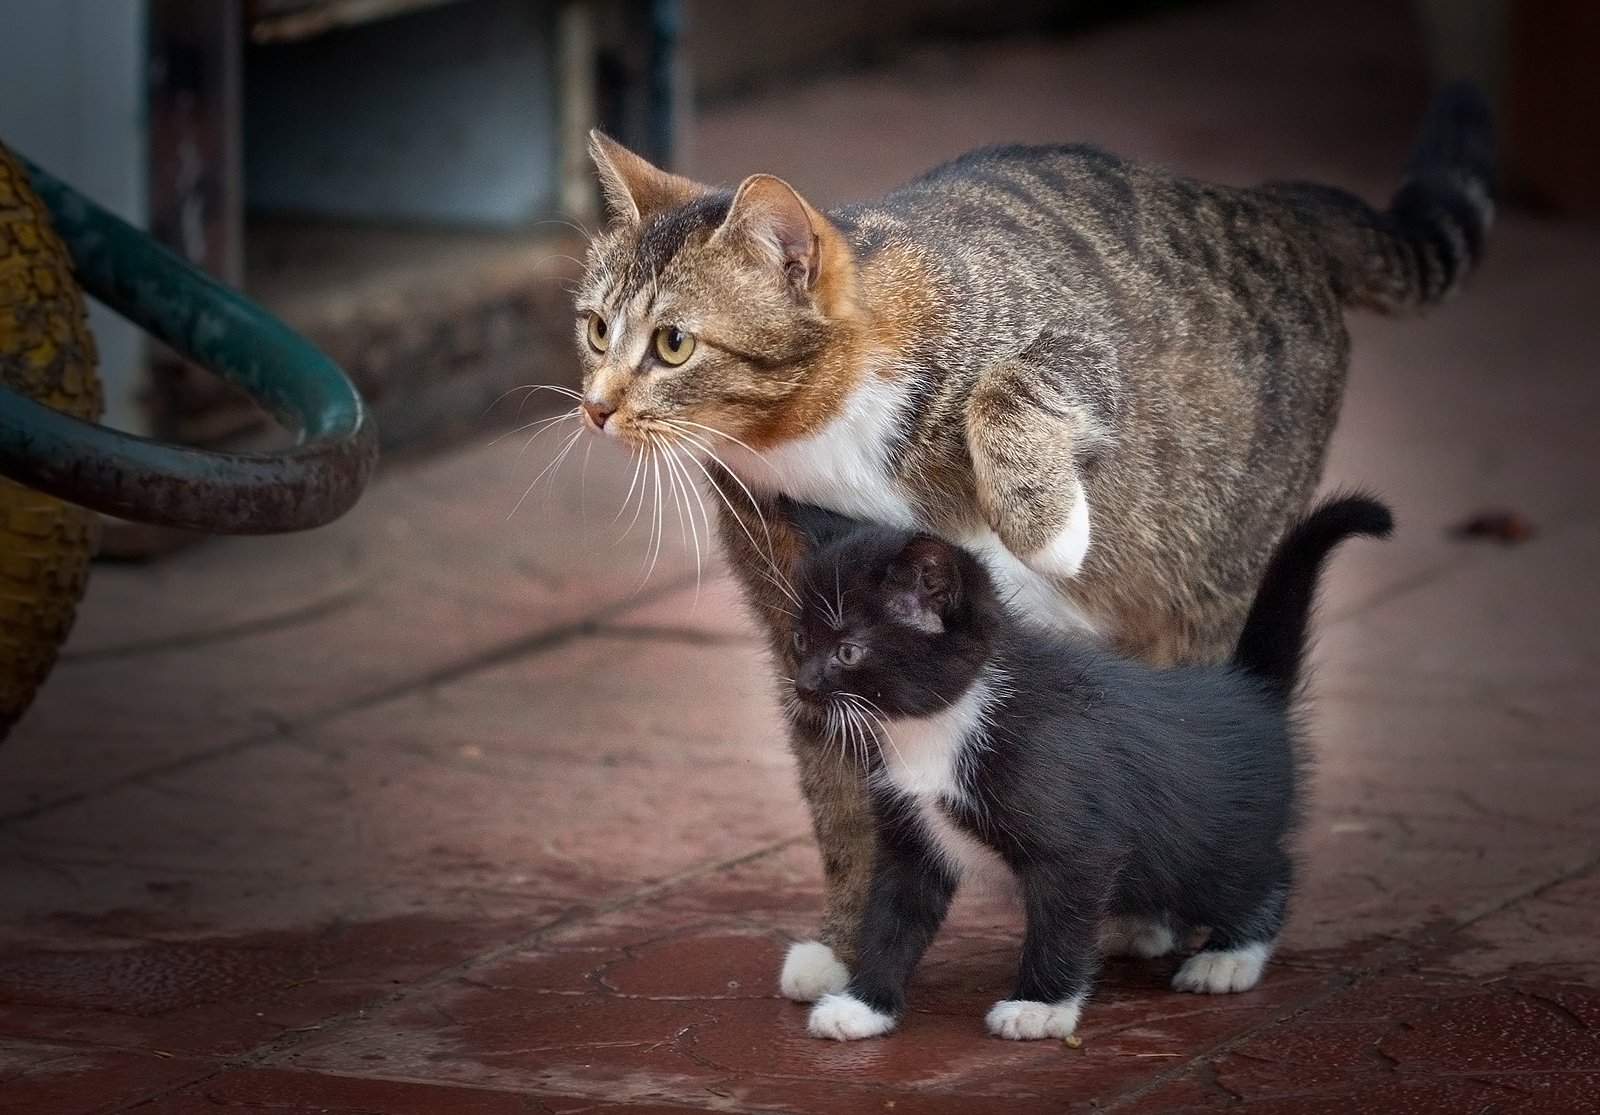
599,333
673,345
800,641
849,654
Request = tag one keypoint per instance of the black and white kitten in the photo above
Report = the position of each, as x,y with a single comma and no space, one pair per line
1150,801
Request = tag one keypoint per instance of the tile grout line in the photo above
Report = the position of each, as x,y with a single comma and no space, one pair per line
286,1042
205,637
525,646
1341,983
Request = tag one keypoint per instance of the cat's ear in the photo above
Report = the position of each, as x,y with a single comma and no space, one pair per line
634,188
923,584
817,525
769,215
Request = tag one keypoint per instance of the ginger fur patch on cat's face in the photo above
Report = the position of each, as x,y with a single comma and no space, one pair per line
711,320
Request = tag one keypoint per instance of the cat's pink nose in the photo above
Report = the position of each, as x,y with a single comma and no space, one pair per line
598,413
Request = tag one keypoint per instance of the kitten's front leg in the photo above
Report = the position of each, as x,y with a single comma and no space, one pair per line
1031,423
911,891
1060,955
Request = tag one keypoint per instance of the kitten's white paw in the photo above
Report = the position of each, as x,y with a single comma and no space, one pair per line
1025,1020
1121,935
810,971
1218,973
843,1017
1063,555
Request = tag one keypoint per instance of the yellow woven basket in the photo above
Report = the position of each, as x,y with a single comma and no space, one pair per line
46,352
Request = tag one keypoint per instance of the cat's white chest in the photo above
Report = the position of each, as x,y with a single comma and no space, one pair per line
922,759
843,466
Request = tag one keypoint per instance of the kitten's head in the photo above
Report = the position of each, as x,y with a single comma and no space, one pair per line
707,313
903,622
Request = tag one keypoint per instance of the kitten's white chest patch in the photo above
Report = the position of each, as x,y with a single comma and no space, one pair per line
844,465
922,759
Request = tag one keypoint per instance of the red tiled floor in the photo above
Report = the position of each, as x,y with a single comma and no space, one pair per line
439,810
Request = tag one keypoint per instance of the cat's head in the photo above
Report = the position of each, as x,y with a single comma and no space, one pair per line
709,316
900,623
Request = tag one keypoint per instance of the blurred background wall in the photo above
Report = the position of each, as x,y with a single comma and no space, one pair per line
405,180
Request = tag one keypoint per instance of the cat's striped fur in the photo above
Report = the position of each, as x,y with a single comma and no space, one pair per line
1029,333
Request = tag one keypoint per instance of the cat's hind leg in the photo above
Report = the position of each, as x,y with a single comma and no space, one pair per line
841,815
1030,427
811,970
1214,971
1235,955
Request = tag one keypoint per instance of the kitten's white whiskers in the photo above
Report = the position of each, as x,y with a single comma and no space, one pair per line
875,718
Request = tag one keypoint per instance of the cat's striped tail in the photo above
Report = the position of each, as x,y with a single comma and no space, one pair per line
1418,251
1273,643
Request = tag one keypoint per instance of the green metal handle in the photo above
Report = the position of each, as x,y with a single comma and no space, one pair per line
307,485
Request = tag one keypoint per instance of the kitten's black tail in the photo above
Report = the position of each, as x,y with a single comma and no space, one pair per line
1419,250
1274,638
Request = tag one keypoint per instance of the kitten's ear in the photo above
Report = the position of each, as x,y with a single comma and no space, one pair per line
924,584
817,525
634,188
768,214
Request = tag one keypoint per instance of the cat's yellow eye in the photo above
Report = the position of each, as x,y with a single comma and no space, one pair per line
673,345
849,654
599,332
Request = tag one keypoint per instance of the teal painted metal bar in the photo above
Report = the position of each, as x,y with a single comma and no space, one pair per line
311,483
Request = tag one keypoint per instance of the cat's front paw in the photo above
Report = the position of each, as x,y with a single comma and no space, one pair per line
1063,555
1220,972
1026,1020
843,1017
810,971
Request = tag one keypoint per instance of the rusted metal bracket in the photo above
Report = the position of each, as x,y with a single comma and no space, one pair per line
135,478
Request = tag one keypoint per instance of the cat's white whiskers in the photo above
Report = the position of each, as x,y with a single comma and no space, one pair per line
693,490
847,745
718,433
664,449
684,484
773,575
875,719
531,389
548,470
826,606
864,733
640,458
657,525
542,424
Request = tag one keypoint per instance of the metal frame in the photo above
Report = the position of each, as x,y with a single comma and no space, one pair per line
135,478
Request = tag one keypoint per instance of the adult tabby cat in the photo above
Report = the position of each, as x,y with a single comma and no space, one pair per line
1116,384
